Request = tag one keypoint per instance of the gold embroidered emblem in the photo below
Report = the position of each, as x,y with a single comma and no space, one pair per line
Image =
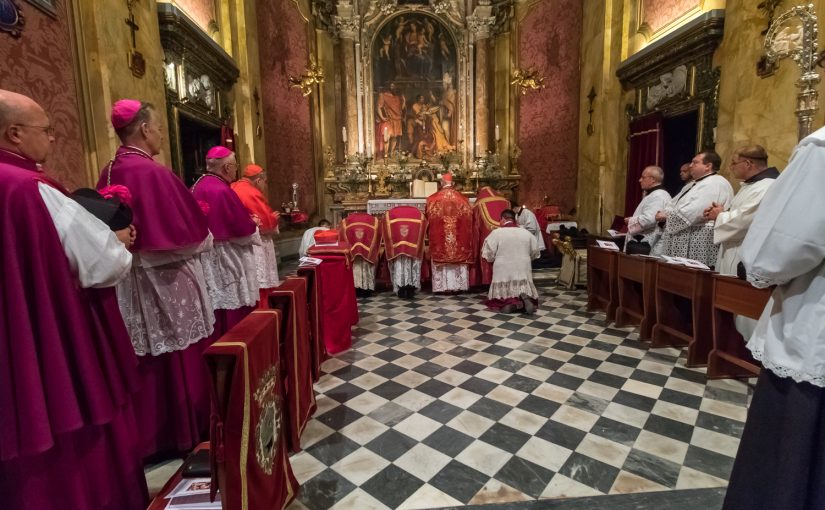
269,421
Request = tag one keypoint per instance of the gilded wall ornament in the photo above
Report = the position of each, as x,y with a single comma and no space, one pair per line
313,75
527,81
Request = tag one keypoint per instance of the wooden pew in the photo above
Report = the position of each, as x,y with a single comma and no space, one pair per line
729,357
637,293
602,289
683,311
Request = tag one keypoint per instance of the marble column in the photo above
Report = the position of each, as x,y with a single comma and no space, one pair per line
350,99
482,95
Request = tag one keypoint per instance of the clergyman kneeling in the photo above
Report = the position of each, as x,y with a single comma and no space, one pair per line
511,249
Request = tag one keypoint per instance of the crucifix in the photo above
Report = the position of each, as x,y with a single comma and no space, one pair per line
136,62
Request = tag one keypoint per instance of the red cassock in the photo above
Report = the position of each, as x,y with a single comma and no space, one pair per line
362,232
255,202
290,298
486,217
404,229
250,462
339,309
450,227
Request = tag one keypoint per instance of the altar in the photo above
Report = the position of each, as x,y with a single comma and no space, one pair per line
379,207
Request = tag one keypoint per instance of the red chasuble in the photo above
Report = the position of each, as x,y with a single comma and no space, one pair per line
404,228
291,299
450,227
486,216
336,295
255,202
362,232
318,352
250,463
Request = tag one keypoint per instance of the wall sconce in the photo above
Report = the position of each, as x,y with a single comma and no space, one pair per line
591,97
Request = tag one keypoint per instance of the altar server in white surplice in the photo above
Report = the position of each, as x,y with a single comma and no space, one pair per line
655,199
749,165
511,249
781,459
308,240
527,220
687,233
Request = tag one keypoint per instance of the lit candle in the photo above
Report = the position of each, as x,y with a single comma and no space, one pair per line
344,134
498,135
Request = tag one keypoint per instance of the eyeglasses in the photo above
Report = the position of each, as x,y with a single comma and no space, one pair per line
49,130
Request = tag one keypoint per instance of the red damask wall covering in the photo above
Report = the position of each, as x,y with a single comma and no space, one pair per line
658,13
201,11
550,38
39,65
283,51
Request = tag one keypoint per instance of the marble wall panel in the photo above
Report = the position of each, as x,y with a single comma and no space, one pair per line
550,38
201,11
39,65
658,13
282,49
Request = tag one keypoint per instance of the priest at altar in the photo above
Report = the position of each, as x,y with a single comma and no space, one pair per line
363,233
404,229
68,373
164,300
230,267
450,235
250,189
486,218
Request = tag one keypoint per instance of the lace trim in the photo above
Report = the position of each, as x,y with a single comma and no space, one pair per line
782,371
762,282
512,288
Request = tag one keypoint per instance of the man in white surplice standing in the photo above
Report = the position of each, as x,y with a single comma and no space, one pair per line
687,233
510,249
642,225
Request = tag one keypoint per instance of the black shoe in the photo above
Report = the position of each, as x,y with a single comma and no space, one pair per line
529,305
508,309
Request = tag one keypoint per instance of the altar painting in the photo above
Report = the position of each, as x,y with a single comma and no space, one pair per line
414,88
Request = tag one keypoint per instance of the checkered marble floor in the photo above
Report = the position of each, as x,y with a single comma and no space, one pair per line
442,403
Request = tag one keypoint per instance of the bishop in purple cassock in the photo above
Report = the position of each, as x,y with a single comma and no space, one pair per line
230,266
68,373
164,300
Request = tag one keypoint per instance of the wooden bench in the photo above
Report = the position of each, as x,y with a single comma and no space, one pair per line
683,311
602,291
729,357
637,293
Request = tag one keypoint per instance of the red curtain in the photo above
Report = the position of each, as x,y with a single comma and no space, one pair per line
646,148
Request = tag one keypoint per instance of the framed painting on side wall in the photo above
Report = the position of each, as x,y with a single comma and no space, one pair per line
47,6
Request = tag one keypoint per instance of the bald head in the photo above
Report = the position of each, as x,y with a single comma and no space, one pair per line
24,126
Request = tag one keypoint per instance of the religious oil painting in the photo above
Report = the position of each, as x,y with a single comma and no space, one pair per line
414,88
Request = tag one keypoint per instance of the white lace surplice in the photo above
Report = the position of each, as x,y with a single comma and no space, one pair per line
511,251
450,277
405,271
266,261
785,246
231,274
364,274
166,308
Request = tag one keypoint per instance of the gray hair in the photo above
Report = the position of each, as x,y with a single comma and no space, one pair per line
656,172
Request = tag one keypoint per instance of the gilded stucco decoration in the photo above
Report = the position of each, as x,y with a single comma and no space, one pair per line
794,35
529,80
313,75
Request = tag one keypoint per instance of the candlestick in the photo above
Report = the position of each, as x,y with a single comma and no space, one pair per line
498,135
344,134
